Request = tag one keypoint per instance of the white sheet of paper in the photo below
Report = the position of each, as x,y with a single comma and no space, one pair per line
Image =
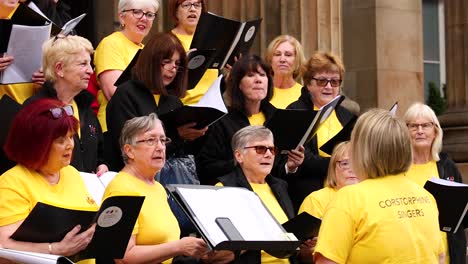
25,45
29,257
71,24
213,98
243,207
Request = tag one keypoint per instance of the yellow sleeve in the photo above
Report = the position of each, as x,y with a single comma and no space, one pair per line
336,234
14,203
110,55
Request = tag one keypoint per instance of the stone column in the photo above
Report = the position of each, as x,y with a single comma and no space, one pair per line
383,52
455,120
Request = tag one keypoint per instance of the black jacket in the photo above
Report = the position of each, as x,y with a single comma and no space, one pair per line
280,190
88,151
215,157
133,99
313,170
456,242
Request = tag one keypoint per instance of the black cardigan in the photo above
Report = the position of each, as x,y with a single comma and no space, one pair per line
88,152
313,170
133,99
280,190
456,242
215,157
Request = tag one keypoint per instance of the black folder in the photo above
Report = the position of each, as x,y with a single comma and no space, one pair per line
115,221
5,31
452,202
304,226
127,73
229,38
198,62
343,135
289,126
26,16
234,240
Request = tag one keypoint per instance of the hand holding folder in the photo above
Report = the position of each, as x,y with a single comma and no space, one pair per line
115,220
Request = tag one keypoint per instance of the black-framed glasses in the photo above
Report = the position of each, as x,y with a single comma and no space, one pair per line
263,149
425,126
187,5
57,112
154,140
324,82
138,14
344,164
170,65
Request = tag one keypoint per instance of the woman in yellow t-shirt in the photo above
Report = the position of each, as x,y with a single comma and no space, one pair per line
426,141
254,153
339,175
116,51
286,57
185,15
385,218
156,233
41,142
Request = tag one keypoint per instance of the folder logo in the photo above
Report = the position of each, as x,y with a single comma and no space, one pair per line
249,34
196,62
110,216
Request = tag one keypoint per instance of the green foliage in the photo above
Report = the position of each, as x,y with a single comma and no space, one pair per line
435,100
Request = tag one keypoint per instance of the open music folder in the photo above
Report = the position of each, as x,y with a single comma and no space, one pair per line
232,218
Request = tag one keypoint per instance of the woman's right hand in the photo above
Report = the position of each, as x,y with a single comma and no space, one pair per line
73,242
193,247
5,62
188,132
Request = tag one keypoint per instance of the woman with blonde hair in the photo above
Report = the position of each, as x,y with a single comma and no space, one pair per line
286,57
386,218
428,161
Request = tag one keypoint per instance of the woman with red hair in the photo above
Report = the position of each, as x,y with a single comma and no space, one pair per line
41,142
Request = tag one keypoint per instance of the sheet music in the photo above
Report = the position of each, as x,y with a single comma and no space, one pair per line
243,207
213,98
97,185
25,45
71,24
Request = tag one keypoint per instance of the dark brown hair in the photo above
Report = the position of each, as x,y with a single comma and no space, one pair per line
148,67
245,65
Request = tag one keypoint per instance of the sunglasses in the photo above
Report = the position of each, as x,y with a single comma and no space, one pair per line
263,149
57,112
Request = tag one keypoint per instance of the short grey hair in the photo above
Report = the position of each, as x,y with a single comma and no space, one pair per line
248,134
135,126
126,4
420,110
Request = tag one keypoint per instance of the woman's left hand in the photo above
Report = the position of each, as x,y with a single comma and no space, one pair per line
295,158
188,132
38,77
101,169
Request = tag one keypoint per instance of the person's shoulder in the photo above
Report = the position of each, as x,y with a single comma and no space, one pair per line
110,39
14,174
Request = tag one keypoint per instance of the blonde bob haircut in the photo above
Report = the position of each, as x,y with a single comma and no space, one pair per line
62,49
339,152
129,4
380,145
299,52
420,110
322,62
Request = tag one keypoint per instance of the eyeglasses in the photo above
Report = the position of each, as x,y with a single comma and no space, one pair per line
153,140
263,149
424,126
344,164
138,14
57,112
188,5
324,82
169,65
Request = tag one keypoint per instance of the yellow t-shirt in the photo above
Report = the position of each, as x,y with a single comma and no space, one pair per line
21,188
316,202
420,173
18,91
114,52
327,130
194,95
257,119
156,224
284,97
268,198
156,98
384,220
